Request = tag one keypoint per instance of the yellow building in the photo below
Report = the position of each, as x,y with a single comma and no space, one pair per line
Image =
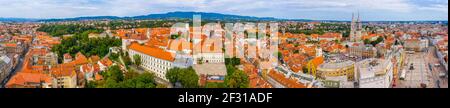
64,76
341,70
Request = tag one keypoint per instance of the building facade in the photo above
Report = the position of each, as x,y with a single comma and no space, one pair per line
374,73
356,29
209,58
30,80
154,60
362,51
342,72
5,67
416,44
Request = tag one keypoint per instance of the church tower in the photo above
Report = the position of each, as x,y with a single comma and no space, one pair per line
352,28
356,28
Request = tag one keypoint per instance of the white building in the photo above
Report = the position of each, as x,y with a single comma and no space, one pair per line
208,54
154,60
5,66
209,58
416,44
374,73
104,64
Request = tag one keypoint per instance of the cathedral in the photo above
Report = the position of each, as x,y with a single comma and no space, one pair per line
356,29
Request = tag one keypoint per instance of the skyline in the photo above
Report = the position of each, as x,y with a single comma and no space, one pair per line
379,10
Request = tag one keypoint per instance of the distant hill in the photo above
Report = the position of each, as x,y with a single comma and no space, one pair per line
17,20
169,15
82,18
189,15
207,16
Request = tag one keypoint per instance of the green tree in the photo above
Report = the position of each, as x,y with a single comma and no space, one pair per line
58,30
305,69
379,40
345,34
279,55
131,74
187,77
79,42
367,41
230,69
126,59
91,84
114,73
145,80
233,61
237,80
174,36
111,83
137,59
173,74
132,80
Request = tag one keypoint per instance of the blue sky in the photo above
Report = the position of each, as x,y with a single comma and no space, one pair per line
371,10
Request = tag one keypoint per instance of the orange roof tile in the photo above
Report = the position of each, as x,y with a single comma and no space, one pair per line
94,58
179,45
86,67
155,52
106,62
66,69
10,45
67,56
96,68
289,82
98,76
80,59
22,79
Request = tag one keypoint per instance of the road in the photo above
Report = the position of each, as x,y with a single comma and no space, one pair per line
16,69
274,83
417,75
422,72
435,70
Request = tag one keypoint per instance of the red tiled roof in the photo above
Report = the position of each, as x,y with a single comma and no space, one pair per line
86,68
106,62
179,45
98,76
80,59
22,79
66,69
155,52
290,83
10,45
95,58
330,35
67,56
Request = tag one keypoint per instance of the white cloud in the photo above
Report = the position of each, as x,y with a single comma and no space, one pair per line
438,7
315,9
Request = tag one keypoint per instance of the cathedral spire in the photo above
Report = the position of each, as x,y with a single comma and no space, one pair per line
359,19
353,16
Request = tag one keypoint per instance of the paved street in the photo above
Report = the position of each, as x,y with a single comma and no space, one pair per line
16,69
274,83
432,59
421,72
